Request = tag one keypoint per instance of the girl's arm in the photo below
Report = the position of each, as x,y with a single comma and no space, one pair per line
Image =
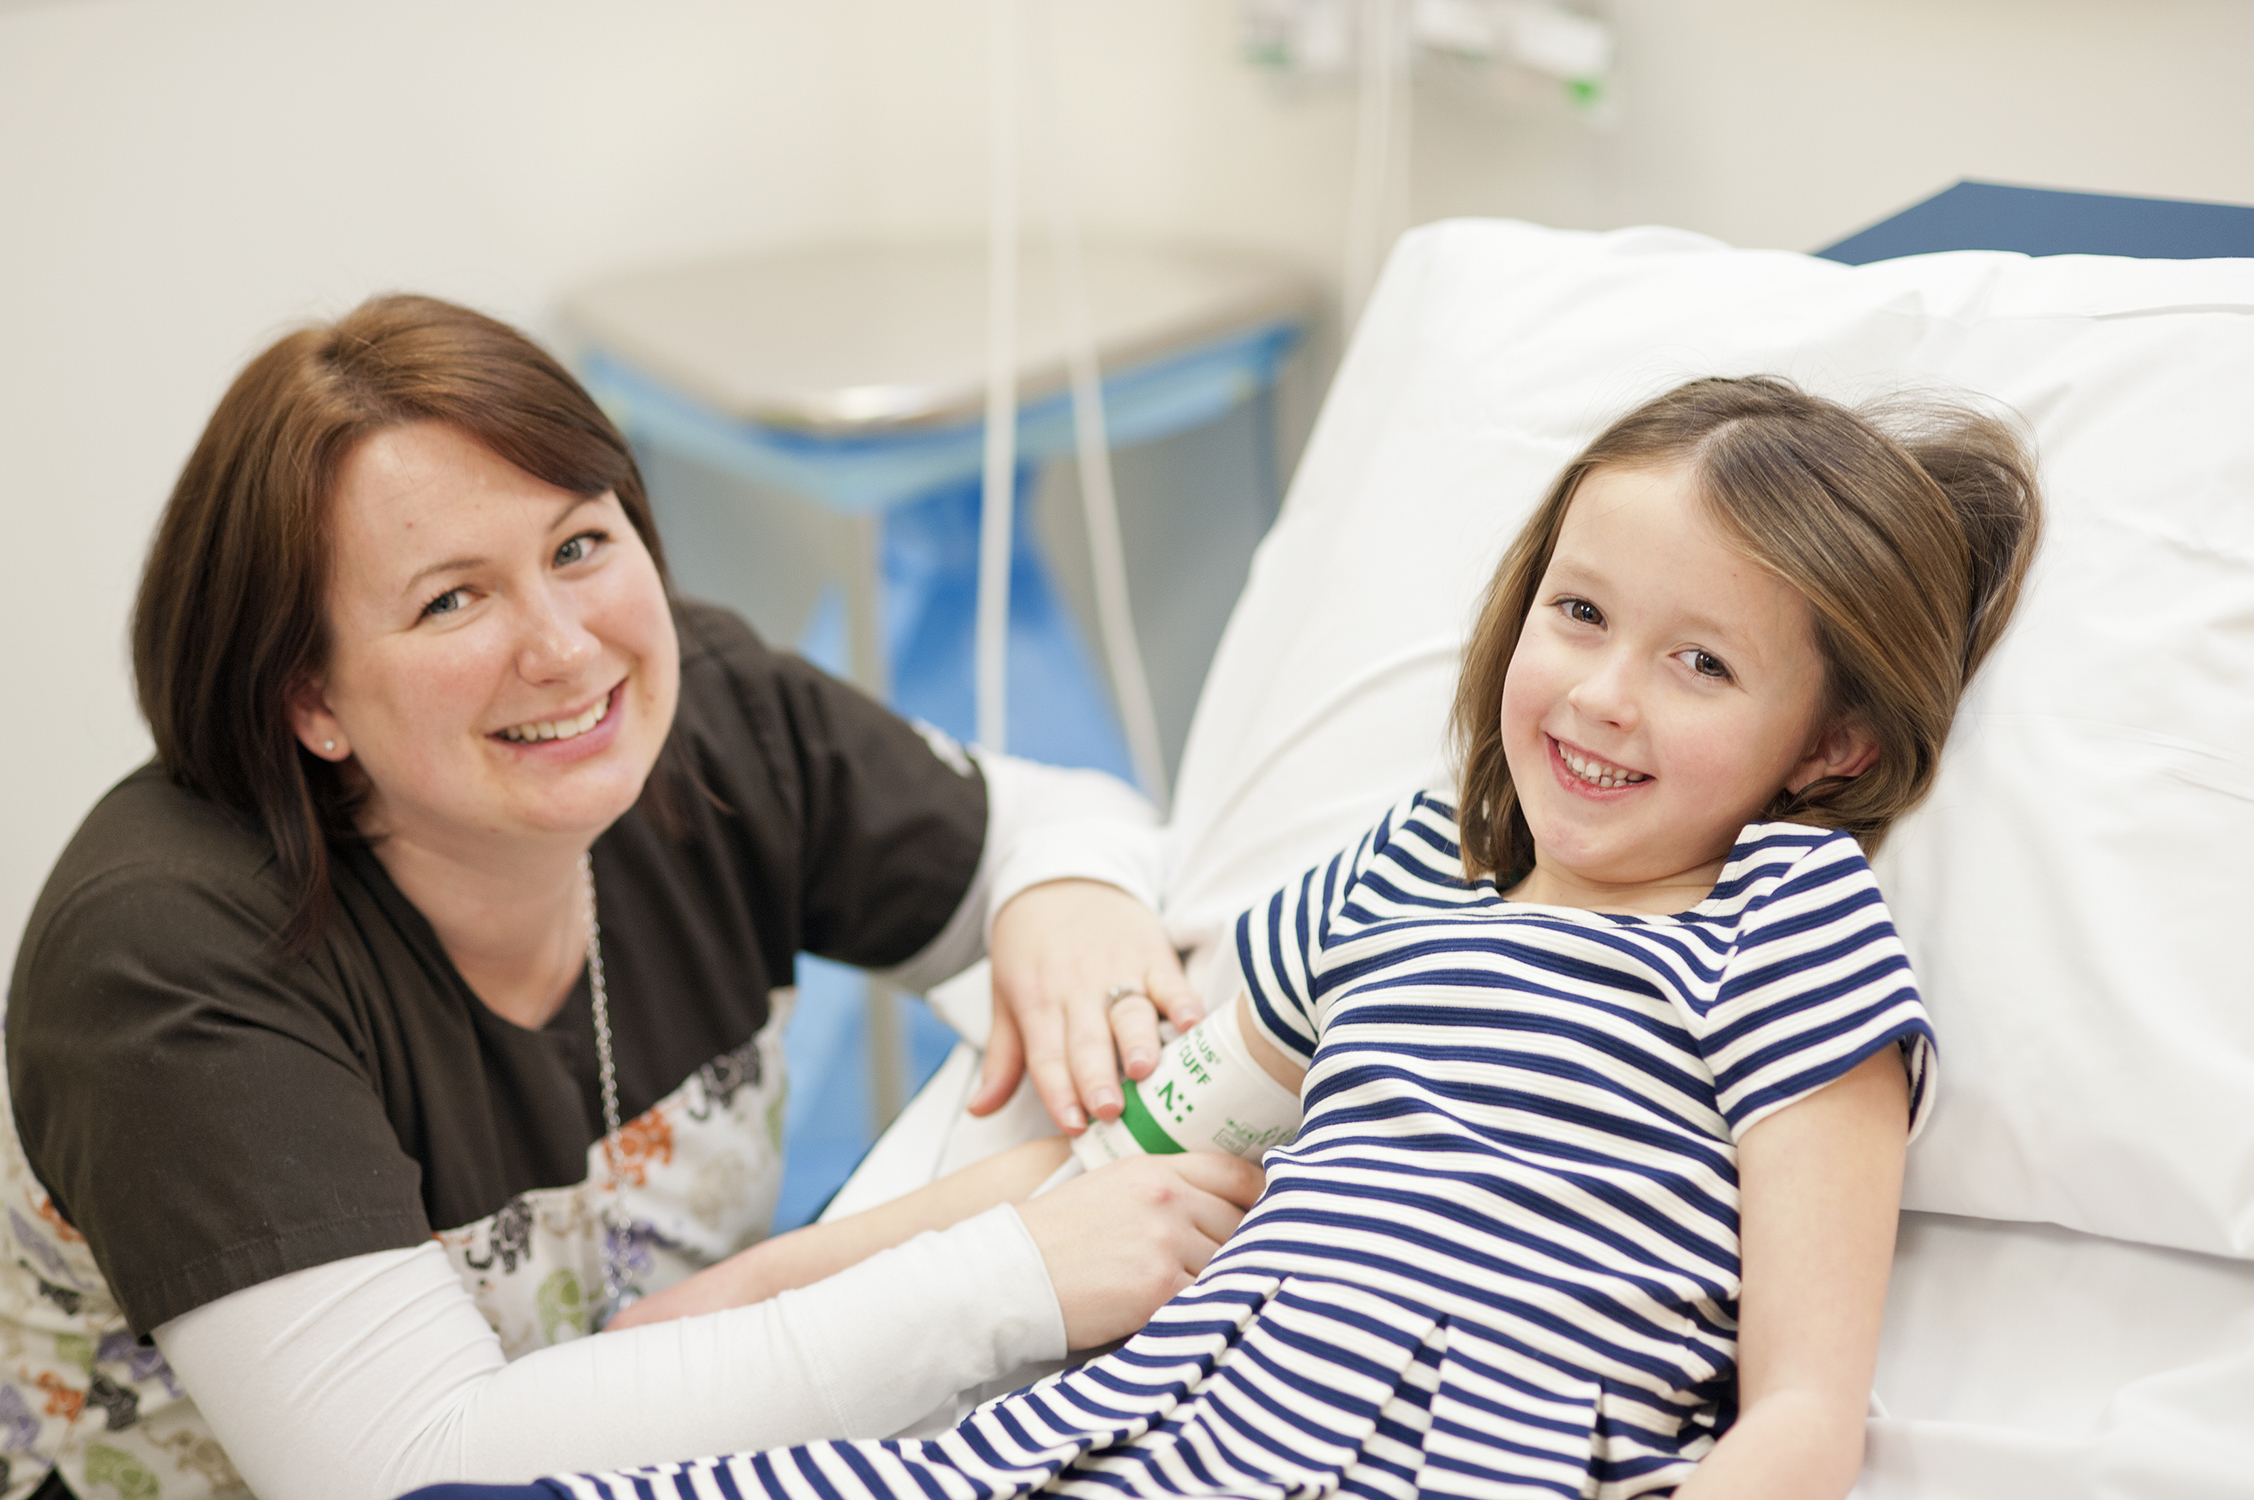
1274,1061
1820,1192
804,1256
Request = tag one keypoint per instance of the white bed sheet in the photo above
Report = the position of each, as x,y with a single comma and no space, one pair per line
2025,1360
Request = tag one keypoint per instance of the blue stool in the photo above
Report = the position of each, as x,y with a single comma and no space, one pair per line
852,380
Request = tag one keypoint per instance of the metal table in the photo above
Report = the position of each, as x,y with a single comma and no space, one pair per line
812,426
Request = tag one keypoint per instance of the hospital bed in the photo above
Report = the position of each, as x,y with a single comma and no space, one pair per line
2072,1310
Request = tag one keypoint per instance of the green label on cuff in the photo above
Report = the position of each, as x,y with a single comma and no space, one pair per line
1143,1126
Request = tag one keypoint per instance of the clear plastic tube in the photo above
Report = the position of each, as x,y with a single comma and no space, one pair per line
990,655
1057,146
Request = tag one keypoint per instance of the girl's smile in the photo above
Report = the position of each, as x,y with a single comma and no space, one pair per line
1584,774
1664,689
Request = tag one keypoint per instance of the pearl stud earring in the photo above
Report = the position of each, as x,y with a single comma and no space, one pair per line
328,744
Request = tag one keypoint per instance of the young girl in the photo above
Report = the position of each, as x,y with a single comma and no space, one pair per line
1608,1075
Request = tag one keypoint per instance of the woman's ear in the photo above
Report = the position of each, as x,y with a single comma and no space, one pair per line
1845,750
313,723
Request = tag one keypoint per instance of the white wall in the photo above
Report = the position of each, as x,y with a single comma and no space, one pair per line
181,178
1792,122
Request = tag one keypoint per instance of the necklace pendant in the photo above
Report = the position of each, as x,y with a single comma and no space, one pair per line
613,1304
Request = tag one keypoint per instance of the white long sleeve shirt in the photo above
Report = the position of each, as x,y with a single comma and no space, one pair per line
391,1379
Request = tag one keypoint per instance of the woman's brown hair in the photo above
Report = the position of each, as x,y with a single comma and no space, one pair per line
232,611
1907,525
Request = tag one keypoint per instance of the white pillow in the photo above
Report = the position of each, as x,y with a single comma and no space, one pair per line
2078,896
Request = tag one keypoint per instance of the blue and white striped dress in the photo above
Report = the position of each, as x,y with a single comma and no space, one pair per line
1501,1259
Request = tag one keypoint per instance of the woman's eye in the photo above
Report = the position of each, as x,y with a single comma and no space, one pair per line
1705,664
1581,612
445,604
578,549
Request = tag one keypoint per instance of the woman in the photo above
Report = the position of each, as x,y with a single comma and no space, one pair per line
419,1007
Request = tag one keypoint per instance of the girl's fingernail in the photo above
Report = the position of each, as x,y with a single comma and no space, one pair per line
1138,1059
1188,1016
1102,1099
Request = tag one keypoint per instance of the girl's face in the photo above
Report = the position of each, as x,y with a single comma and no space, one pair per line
502,661
1664,689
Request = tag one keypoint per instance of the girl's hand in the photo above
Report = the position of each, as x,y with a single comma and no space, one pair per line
1121,1240
1059,949
805,1256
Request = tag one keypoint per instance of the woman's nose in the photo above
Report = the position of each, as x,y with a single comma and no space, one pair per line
556,644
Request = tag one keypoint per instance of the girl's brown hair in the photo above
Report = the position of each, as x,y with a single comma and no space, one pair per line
232,612
1907,526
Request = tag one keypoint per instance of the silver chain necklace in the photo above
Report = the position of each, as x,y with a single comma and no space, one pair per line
616,1296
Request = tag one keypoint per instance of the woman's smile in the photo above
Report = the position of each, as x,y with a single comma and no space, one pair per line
569,736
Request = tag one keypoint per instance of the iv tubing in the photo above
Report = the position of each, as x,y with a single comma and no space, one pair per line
999,491
1378,27
1107,558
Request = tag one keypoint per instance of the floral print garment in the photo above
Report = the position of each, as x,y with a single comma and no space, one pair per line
699,1175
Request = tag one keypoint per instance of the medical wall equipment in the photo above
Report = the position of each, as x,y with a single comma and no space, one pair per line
1327,38
1378,43
2072,1309
1206,1094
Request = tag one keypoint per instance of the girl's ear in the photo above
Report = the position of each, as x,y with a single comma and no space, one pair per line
1845,750
313,723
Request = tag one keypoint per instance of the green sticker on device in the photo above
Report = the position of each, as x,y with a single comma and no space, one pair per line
1144,1126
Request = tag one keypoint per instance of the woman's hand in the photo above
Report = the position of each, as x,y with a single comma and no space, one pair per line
1124,1238
805,1256
1059,950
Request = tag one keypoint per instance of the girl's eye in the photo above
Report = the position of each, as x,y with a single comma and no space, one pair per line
1705,664
579,548
445,604
1581,612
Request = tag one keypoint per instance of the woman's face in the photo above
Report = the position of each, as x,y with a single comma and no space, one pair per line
502,661
1665,687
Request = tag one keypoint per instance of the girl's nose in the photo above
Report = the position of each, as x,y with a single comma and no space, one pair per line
556,644
1607,694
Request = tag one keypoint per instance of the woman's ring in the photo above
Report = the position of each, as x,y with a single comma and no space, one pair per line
1119,992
